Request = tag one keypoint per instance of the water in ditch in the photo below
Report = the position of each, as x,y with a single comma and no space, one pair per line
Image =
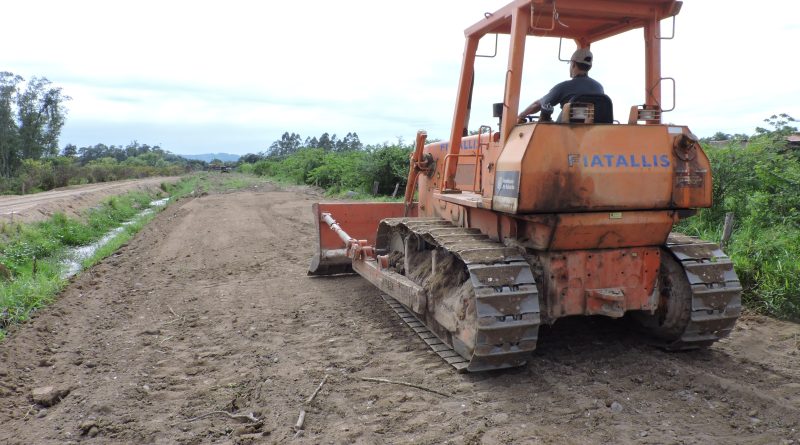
74,257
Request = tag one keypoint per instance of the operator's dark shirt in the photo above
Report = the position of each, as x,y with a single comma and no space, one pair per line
564,91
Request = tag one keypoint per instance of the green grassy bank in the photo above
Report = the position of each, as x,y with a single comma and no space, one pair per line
32,255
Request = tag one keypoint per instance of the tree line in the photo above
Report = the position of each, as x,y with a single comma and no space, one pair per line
32,115
337,165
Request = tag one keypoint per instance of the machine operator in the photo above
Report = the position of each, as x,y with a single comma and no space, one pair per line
579,83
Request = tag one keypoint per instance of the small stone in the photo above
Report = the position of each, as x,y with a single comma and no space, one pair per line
500,418
616,407
93,431
643,434
87,426
42,412
752,413
48,395
244,429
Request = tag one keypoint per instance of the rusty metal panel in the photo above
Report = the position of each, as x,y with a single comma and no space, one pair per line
606,230
596,230
566,168
605,282
360,220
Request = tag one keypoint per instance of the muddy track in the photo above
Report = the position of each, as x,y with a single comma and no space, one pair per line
209,308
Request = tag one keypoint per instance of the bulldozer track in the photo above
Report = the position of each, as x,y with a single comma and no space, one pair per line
716,292
505,296
440,348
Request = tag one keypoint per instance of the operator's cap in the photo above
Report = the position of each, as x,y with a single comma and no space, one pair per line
582,55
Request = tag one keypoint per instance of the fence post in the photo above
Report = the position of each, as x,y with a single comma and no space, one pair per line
727,230
375,185
396,186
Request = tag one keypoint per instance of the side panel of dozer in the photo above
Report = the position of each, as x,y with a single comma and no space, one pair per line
360,221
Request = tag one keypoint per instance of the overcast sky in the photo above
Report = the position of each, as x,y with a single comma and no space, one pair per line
202,76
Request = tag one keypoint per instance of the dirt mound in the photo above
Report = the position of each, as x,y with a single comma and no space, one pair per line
209,309
71,201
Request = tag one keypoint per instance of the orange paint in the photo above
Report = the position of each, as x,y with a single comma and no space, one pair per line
591,203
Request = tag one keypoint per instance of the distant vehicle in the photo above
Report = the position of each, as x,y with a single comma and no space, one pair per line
219,168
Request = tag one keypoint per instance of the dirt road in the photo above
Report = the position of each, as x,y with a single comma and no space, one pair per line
209,309
70,200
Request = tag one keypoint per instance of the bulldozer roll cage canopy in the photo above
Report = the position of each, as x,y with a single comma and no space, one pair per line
585,22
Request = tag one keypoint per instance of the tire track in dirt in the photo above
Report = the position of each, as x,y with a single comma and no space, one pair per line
209,308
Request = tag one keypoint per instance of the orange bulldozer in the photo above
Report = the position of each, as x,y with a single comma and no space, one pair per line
518,227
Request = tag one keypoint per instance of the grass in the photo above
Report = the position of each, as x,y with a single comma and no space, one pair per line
208,182
188,185
361,196
32,254
114,243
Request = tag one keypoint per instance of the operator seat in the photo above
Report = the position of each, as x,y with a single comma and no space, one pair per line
603,108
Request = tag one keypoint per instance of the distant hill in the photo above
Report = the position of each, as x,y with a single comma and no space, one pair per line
208,157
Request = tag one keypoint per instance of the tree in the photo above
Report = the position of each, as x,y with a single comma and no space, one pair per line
250,158
352,142
325,142
70,150
288,144
9,133
780,125
41,115
88,154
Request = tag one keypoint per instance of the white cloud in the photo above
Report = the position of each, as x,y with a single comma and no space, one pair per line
383,69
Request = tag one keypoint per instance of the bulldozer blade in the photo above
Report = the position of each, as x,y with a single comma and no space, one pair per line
360,220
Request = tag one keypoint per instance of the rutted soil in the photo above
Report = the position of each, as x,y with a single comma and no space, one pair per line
70,200
209,309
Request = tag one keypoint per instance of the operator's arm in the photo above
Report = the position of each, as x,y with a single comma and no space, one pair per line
531,109
545,104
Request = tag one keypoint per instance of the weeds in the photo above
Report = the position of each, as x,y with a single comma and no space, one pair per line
32,253
760,184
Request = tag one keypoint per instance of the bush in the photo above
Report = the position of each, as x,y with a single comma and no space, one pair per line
49,173
342,170
388,165
760,184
